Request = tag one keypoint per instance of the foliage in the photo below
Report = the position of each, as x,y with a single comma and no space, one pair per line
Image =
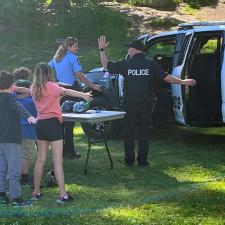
199,3
21,14
155,3
33,36
188,9
164,22
44,23
169,4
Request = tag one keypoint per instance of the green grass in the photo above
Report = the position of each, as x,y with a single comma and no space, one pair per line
27,40
188,9
184,185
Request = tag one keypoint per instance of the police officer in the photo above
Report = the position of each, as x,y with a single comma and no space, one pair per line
68,71
139,72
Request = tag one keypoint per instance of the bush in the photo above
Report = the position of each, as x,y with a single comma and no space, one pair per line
168,4
199,3
85,19
21,15
165,4
164,22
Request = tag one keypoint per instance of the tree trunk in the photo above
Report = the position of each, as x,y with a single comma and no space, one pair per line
61,6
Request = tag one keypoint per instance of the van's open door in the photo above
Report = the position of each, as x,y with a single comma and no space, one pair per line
223,79
180,55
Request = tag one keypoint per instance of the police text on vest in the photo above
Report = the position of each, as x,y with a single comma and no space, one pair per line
138,72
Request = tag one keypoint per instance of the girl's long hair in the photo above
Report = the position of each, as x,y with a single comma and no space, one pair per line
61,51
42,74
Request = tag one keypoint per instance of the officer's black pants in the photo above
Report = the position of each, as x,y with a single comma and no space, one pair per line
68,145
137,116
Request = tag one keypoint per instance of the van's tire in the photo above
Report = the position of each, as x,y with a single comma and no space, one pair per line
112,127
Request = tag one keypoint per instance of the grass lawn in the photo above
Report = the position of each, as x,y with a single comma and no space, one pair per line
184,185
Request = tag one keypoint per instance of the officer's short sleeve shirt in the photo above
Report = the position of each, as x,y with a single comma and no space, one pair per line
67,68
115,67
156,70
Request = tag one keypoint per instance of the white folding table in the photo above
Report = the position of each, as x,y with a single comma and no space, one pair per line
94,116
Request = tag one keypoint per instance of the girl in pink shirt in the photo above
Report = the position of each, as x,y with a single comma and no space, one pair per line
46,95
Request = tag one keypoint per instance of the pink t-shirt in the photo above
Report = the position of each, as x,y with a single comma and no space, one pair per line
49,105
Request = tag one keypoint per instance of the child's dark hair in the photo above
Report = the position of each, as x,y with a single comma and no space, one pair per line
22,73
6,79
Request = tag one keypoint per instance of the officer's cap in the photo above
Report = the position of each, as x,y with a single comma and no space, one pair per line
138,44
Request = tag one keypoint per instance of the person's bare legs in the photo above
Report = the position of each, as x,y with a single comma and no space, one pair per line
25,171
57,158
38,169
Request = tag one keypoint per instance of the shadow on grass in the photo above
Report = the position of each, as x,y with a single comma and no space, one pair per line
172,151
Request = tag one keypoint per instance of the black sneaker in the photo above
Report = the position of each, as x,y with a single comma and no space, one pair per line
19,202
4,200
66,198
143,165
76,155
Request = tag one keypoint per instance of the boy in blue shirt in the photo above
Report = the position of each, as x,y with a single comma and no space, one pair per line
21,76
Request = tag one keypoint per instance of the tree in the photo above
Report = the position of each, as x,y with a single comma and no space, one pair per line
60,6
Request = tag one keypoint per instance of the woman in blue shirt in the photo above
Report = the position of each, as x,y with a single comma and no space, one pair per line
68,71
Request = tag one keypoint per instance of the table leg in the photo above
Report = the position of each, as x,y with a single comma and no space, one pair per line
106,147
89,148
93,142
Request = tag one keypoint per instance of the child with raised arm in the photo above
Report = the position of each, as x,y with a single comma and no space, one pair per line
46,95
10,141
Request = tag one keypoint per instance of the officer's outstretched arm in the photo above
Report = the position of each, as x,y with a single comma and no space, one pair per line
174,80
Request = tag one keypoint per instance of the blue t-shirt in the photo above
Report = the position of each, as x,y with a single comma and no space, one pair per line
67,68
28,130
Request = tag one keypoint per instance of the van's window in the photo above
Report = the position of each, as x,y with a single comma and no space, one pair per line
163,51
163,47
210,46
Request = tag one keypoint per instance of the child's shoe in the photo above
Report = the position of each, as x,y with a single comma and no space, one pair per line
19,202
66,198
36,196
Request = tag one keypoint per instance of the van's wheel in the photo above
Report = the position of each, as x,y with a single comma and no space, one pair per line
97,129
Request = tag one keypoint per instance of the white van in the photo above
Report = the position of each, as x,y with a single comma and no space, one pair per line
195,50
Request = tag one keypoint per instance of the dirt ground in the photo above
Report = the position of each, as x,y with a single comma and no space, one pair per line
213,13
141,17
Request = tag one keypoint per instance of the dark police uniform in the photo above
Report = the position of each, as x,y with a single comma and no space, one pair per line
139,72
